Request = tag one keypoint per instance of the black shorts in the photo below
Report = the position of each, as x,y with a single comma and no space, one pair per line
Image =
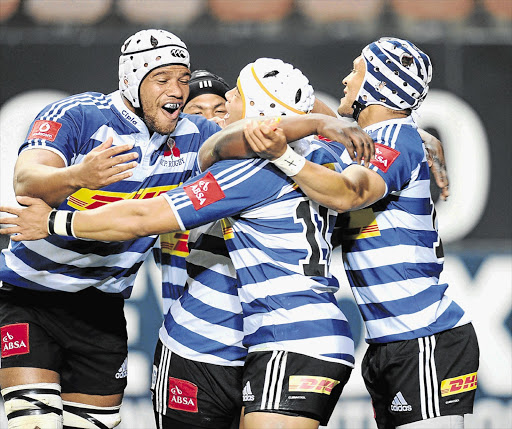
423,378
292,384
81,335
196,393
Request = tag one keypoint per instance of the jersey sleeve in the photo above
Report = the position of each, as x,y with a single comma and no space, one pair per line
224,190
57,133
395,161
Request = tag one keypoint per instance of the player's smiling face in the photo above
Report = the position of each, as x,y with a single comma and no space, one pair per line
234,106
162,94
352,82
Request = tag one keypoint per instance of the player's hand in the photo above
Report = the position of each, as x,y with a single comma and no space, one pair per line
436,162
104,165
221,122
265,138
31,221
359,144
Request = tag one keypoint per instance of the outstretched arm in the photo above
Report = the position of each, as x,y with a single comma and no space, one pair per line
42,174
231,142
118,221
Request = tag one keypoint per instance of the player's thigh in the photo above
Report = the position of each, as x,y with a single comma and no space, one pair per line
18,375
29,352
93,327
423,378
195,393
257,420
292,385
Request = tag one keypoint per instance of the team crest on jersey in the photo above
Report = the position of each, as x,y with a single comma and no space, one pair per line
45,130
310,383
14,339
384,157
182,395
204,191
463,383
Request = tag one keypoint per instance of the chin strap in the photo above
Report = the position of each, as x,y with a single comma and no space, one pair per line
358,108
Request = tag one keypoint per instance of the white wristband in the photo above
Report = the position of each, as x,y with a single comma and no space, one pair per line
290,162
60,222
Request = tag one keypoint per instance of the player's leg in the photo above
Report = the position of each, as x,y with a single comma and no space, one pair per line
290,390
423,379
257,420
96,338
444,422
29,362
192,394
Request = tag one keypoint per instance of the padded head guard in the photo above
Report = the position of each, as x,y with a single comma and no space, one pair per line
271,87
397,75
146,51
205,82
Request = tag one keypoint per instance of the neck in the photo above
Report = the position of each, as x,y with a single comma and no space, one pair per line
377,113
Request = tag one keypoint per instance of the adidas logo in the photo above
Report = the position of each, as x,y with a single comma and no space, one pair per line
400,404
123,371
247,393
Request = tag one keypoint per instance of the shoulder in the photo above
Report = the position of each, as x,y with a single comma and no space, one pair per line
201,124
75,105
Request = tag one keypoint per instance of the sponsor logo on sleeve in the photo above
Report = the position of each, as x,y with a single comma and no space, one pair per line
463,383
46,130
14,340
204,191
305,383
182,395
384,157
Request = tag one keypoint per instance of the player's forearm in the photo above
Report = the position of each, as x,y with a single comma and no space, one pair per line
339,191
230,142
53,185
125,220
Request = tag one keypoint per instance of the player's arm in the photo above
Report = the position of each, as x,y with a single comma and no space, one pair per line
41,173
354,188
436,162
118,221
231,142
321,107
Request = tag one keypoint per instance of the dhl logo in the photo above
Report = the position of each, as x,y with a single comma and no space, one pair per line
362,224
305,383
175,243
464,383
227,229
87,199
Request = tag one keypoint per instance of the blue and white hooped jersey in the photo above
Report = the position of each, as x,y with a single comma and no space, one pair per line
71,128
392,252
170,253
279,242
205,323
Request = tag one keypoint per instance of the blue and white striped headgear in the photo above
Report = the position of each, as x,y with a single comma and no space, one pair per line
146,51
397,75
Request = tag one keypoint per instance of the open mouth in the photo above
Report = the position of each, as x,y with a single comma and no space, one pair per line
171,107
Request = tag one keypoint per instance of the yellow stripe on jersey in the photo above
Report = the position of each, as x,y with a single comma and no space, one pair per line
227,229
362,224
175,243
87,199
